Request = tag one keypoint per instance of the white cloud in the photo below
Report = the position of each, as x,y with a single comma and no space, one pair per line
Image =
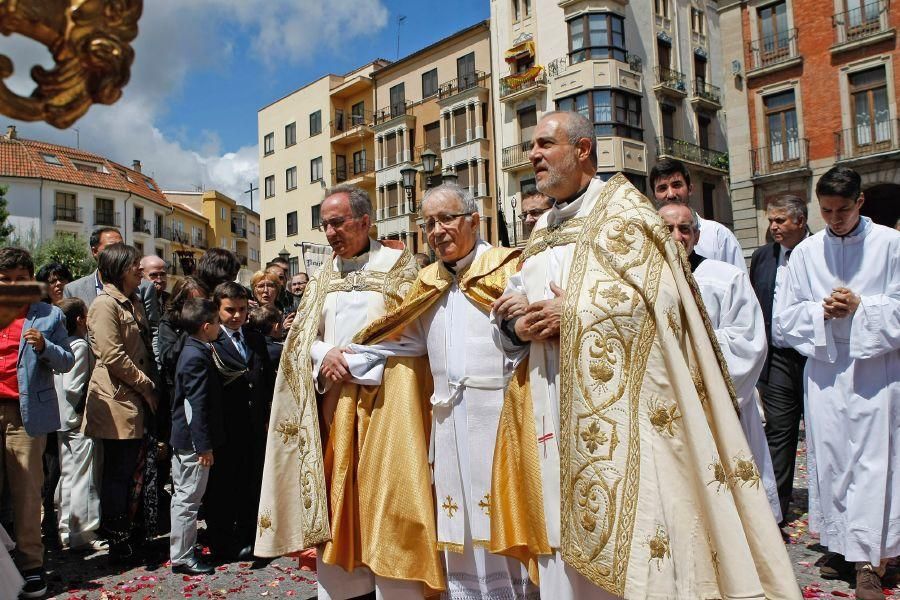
177,38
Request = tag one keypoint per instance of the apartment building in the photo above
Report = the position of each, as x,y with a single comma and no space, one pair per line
811,84
229,225
647,73
57,190
312,139
433,110
189,238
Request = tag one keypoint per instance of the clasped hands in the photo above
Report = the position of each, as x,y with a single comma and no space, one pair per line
537,321
841,303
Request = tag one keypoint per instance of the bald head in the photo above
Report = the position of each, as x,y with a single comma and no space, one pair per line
155,271
683,224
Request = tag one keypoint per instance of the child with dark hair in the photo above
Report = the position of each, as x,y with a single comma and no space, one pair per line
197,430
267,321
76,496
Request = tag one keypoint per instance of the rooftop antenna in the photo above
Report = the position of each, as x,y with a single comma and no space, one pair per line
400,20
77,137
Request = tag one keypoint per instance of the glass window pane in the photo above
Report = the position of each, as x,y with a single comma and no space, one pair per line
581,105
602,106
598,33
576,34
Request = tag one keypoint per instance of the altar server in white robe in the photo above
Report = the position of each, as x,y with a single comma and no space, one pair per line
842,311
358,287
737,319
671,183
470,371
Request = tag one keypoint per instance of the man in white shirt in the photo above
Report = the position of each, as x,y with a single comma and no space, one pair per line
671,183
841,309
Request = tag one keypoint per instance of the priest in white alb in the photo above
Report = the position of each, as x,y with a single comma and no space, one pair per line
359,283
737,320
648,486
447,317
841,309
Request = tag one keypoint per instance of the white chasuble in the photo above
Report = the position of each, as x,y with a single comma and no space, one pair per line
648,484
470,372
852,405
737,319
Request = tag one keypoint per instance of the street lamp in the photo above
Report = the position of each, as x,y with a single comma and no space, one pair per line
429,160
512,203
451,177
284,254
409,183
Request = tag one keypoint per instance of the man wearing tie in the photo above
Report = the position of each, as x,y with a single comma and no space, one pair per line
232,495
781,380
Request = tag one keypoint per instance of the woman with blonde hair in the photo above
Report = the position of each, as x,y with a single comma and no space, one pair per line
265,287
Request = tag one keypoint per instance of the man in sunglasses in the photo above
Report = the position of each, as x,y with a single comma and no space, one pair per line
359,283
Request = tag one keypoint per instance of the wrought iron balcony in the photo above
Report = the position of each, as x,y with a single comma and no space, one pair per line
861,22
66,213
534,79
107,217
698,155
344,122
361,167
866,139
398,109
780,157
239,229
773,49
670,81
707,92
460,84
141,226
516,156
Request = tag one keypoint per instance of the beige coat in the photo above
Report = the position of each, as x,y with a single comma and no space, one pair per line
120,384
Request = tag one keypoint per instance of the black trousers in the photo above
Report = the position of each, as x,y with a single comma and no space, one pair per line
120,458
782,397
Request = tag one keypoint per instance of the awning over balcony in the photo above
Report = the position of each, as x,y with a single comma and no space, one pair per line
519,51
517,79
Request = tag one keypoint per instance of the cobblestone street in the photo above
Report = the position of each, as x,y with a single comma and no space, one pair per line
89,577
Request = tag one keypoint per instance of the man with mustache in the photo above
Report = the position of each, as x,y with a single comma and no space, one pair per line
638,439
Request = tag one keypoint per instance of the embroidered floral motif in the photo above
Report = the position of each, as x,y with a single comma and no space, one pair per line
663,417
720,475
674,321
614,295
697,378
594,438
745,472
659,547
265,521
485,504
288,429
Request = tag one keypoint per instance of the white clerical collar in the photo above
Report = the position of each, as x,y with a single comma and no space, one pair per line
469,258
860,227
348,265
561,212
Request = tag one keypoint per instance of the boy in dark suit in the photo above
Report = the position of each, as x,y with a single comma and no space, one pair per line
267,321
197,429
242,359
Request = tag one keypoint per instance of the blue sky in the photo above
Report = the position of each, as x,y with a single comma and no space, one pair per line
203,69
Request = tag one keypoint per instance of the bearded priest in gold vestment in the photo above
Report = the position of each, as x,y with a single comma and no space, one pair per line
646,481
361,282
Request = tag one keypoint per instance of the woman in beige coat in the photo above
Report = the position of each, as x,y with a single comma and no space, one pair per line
121,390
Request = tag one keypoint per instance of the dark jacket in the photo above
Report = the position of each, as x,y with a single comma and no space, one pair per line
763,266
246,398
197,384
275,348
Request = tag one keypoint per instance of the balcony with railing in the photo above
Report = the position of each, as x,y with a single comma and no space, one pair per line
869,139
780,158
706,95
239,227
198,241
350,126
69,214
461,84
773,52
670,82
388,113
166,233
107,217
141,226
866,24
518,86
515,157
692,153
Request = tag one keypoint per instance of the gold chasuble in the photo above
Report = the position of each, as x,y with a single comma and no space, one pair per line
382,501
659,494
293,512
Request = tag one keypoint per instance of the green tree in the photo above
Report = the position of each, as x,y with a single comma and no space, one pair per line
69,250
6,230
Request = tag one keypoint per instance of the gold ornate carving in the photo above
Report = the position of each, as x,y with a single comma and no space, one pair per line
659,547
91,45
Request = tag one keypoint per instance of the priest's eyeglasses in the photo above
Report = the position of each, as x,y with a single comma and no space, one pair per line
445,220
534,213
335,223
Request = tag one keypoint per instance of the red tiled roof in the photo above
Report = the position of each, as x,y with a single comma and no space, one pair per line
23,158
